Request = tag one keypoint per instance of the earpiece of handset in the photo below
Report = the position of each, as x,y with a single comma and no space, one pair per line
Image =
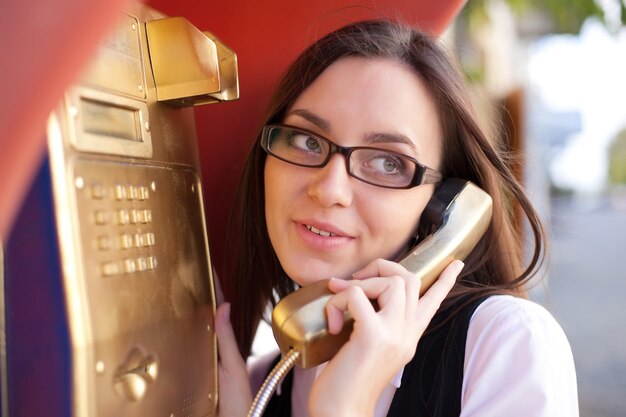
456,217
453,221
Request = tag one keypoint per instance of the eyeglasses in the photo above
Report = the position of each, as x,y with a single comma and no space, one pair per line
375,166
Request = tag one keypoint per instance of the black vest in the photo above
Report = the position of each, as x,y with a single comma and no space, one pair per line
431,381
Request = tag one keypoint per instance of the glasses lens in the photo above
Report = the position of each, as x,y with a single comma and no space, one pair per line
297,146
380,167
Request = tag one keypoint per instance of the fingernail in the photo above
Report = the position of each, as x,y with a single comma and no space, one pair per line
335,284
459,266
226,312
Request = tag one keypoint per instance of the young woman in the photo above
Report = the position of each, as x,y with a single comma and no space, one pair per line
330,191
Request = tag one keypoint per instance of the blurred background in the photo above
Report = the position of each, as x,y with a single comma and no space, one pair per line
552,75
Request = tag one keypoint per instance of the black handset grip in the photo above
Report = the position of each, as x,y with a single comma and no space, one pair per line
436,211
460,213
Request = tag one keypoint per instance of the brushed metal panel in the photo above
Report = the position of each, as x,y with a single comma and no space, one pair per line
118,65
148,283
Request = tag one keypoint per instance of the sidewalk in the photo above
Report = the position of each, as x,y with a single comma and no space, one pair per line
587,295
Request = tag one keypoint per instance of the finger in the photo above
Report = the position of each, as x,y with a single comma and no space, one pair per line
234,392
387,291
380,268
352,300
431,300
230,359
336,319
219,295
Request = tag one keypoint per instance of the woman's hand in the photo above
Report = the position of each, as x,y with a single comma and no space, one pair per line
235,397
382,341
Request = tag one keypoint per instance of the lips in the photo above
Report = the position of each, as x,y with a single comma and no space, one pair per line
320,235
322,228
320,232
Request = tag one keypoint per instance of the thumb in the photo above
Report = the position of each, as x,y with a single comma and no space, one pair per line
234,389
230,359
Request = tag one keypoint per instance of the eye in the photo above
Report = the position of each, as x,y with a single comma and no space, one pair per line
390,165
381,167
386,164
306,142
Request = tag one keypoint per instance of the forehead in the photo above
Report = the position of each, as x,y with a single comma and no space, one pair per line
356,96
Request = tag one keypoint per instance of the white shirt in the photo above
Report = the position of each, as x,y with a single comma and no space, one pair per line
518,362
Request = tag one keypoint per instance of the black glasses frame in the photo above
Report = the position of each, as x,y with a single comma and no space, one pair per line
423,174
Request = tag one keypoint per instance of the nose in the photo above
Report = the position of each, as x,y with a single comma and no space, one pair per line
332,185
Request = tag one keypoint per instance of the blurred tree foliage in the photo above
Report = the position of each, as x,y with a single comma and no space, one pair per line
567,16
617,159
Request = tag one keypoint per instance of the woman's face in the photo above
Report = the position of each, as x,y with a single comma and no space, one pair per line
355,102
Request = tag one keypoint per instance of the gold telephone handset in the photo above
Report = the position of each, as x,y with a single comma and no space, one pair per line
454,220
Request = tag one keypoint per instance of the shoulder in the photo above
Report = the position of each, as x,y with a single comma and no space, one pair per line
517,331
517,357
506,313
508,323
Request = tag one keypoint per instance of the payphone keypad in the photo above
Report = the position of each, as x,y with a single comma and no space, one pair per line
147,265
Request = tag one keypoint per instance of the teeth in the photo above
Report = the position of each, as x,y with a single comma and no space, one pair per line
320,232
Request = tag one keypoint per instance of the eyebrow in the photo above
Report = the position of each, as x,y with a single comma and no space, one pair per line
370,138
378,137
313,118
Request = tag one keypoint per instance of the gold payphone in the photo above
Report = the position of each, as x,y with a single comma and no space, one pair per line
124,309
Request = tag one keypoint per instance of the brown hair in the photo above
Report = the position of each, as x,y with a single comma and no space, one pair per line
495,265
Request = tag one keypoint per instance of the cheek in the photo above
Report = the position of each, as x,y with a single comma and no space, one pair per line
415,207
275,182
281,188
272,196
393,222
268,186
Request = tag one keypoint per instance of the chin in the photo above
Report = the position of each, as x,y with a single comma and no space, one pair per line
316,271
310,278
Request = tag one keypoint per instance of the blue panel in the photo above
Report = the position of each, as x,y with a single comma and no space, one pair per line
38,349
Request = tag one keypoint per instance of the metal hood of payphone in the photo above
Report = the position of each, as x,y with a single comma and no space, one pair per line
209,68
